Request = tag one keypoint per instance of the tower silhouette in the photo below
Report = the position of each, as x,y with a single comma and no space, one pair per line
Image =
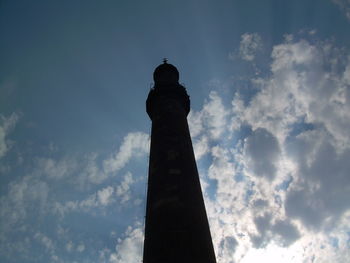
176,226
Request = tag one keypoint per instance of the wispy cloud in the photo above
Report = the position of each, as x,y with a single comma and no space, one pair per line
344,5
6,124
250,44
134,144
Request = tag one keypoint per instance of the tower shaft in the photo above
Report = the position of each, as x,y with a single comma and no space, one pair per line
176,227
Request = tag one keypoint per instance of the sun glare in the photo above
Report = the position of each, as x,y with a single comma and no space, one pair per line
273,254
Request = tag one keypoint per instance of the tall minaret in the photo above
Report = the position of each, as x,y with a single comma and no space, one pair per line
177,228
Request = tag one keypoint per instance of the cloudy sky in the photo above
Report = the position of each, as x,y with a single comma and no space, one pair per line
270,122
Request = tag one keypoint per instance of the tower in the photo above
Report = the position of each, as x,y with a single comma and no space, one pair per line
176,228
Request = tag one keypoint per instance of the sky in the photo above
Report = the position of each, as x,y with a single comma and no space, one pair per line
269,83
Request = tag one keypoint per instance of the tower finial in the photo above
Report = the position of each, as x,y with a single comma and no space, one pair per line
165,60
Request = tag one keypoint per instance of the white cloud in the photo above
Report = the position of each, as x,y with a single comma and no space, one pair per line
249,45
100,199
226,211
300,90
80,248
23,195
6,124
78,171
123,189
215,116
56,169
282,189
91,172
303,108
212,118
49,245
129,249
46,241
288,55
86,170
37,195
195,123
134,144
200,147
104,196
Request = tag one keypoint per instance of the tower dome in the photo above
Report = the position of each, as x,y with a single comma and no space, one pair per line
166,74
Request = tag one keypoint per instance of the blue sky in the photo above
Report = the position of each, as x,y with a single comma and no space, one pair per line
270,110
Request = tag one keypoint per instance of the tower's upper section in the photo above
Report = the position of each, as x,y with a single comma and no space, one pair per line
165,74
167,98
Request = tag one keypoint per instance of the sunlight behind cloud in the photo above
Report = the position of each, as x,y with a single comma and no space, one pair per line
274,254
269,84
